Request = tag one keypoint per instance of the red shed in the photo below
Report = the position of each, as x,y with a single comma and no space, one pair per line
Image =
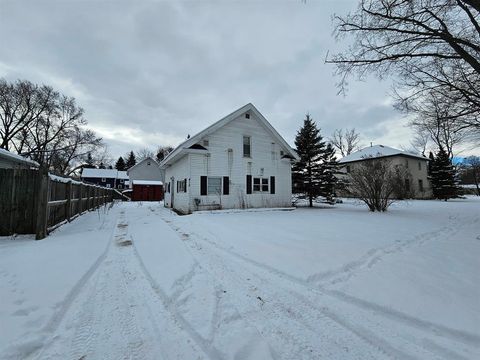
147,190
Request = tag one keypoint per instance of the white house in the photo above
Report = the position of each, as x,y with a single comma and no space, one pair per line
417,183
240,161
147,169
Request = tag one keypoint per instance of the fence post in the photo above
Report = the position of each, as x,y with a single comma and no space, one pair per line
68,191
42,204
88,198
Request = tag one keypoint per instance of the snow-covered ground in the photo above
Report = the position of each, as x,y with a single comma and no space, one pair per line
138,282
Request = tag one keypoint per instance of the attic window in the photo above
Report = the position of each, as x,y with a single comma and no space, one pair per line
205,142
148,163
247,115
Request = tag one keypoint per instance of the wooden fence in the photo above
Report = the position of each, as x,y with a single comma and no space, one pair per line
34,202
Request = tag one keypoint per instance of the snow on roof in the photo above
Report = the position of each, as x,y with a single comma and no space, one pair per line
146,182
377,151
17,158
104,173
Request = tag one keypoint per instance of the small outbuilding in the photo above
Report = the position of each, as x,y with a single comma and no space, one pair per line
147,190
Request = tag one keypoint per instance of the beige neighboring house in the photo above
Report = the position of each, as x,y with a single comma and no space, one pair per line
147,169
416,165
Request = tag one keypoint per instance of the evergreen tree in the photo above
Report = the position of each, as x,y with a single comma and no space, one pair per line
329,168
442,177
131,160
120,164
308,172
89,162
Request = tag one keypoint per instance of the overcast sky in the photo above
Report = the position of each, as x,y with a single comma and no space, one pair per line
148,73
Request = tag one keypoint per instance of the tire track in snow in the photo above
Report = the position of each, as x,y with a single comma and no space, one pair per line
59,315
462,336
313,327
118,315
443,331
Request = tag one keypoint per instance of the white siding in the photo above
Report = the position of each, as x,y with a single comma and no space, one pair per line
225,158
179,171
143,171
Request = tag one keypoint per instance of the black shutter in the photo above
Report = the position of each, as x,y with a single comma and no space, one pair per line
226,185
249,184
272,184
203,185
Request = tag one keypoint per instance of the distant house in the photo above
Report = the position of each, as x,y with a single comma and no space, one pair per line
9,160
110,178
240,161
416,183
147,169
146,180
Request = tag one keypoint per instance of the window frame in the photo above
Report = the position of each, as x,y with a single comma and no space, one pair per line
262,185
220,180
249,155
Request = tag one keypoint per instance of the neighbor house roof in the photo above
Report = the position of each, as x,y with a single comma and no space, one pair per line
377,151
5,154
104,173
188,145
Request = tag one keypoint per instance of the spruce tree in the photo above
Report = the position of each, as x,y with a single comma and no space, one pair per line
131,160
442,177
307,172
329,168
120,164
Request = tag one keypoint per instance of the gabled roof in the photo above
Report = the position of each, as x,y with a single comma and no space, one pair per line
146,159
104,173
5,154
187,144
377,151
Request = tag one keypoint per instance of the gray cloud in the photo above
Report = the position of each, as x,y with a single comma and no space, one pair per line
151,72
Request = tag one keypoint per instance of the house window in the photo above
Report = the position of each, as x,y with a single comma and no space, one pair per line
214,186
121,181
108,185
181,185
407,184
348,169
247,115
205,142
148,163
260,184
247,146
419,165
420,184
103,180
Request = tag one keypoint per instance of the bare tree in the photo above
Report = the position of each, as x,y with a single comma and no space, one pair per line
377,183
144,153
432,47
434,117
471,166
21,105
420,141
162,152
45,126
346,141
